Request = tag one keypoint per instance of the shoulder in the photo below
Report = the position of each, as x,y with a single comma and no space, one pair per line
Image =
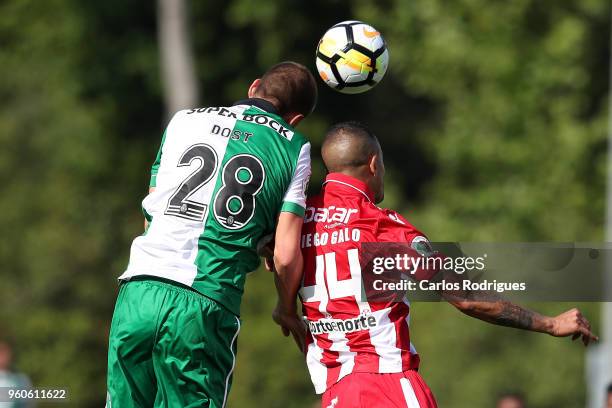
298,147
397,219
299,138
398,227
190,115
277,124
296,138
274,124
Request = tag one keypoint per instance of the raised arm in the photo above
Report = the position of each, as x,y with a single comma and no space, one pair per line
492,308
288,264
288,261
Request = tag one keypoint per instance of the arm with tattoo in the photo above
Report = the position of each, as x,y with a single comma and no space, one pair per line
492,308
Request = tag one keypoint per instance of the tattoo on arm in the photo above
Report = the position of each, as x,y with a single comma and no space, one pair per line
498,310
512,315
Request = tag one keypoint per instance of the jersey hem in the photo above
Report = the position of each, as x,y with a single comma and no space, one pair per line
413,366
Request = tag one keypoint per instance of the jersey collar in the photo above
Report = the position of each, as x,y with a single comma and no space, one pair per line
349,184
260,103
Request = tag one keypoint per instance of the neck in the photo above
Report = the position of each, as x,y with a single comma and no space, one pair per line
271,101
360,173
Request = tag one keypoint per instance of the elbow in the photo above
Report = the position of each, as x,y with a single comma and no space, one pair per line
281,262
285,258
476,308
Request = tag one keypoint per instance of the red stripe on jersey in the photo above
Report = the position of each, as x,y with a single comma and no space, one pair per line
366,359
333,375
329,359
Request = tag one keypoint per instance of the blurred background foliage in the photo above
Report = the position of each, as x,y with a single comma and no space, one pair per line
492,118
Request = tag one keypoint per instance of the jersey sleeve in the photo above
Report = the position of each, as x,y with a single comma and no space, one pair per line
418,242
406,232
295,197
156,163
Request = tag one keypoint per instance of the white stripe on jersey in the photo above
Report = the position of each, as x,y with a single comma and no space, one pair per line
409,395
318,372
348,185
346,357
317,293
229,375
384,340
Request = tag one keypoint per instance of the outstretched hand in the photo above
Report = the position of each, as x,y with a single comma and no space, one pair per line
573,323
291,324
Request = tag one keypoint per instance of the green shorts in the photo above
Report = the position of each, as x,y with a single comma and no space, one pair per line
169,347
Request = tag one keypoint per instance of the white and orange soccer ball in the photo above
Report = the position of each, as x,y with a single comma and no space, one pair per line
352,57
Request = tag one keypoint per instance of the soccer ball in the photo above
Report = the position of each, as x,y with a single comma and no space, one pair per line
352,57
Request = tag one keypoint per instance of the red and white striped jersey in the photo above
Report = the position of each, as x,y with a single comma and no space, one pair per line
346,334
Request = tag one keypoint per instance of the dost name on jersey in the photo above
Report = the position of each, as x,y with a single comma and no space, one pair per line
232,134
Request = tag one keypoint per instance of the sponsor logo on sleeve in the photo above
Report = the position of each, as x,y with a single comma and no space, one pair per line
422,246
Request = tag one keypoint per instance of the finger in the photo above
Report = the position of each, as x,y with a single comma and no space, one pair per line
593,336
299,334
587,336
582,323
299,342
302,341
296,338
299,328
302,328
586,323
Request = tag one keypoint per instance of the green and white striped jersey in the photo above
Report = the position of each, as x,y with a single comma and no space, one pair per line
221,178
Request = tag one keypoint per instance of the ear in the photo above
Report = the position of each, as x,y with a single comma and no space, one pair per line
373,164
253,88
294,118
